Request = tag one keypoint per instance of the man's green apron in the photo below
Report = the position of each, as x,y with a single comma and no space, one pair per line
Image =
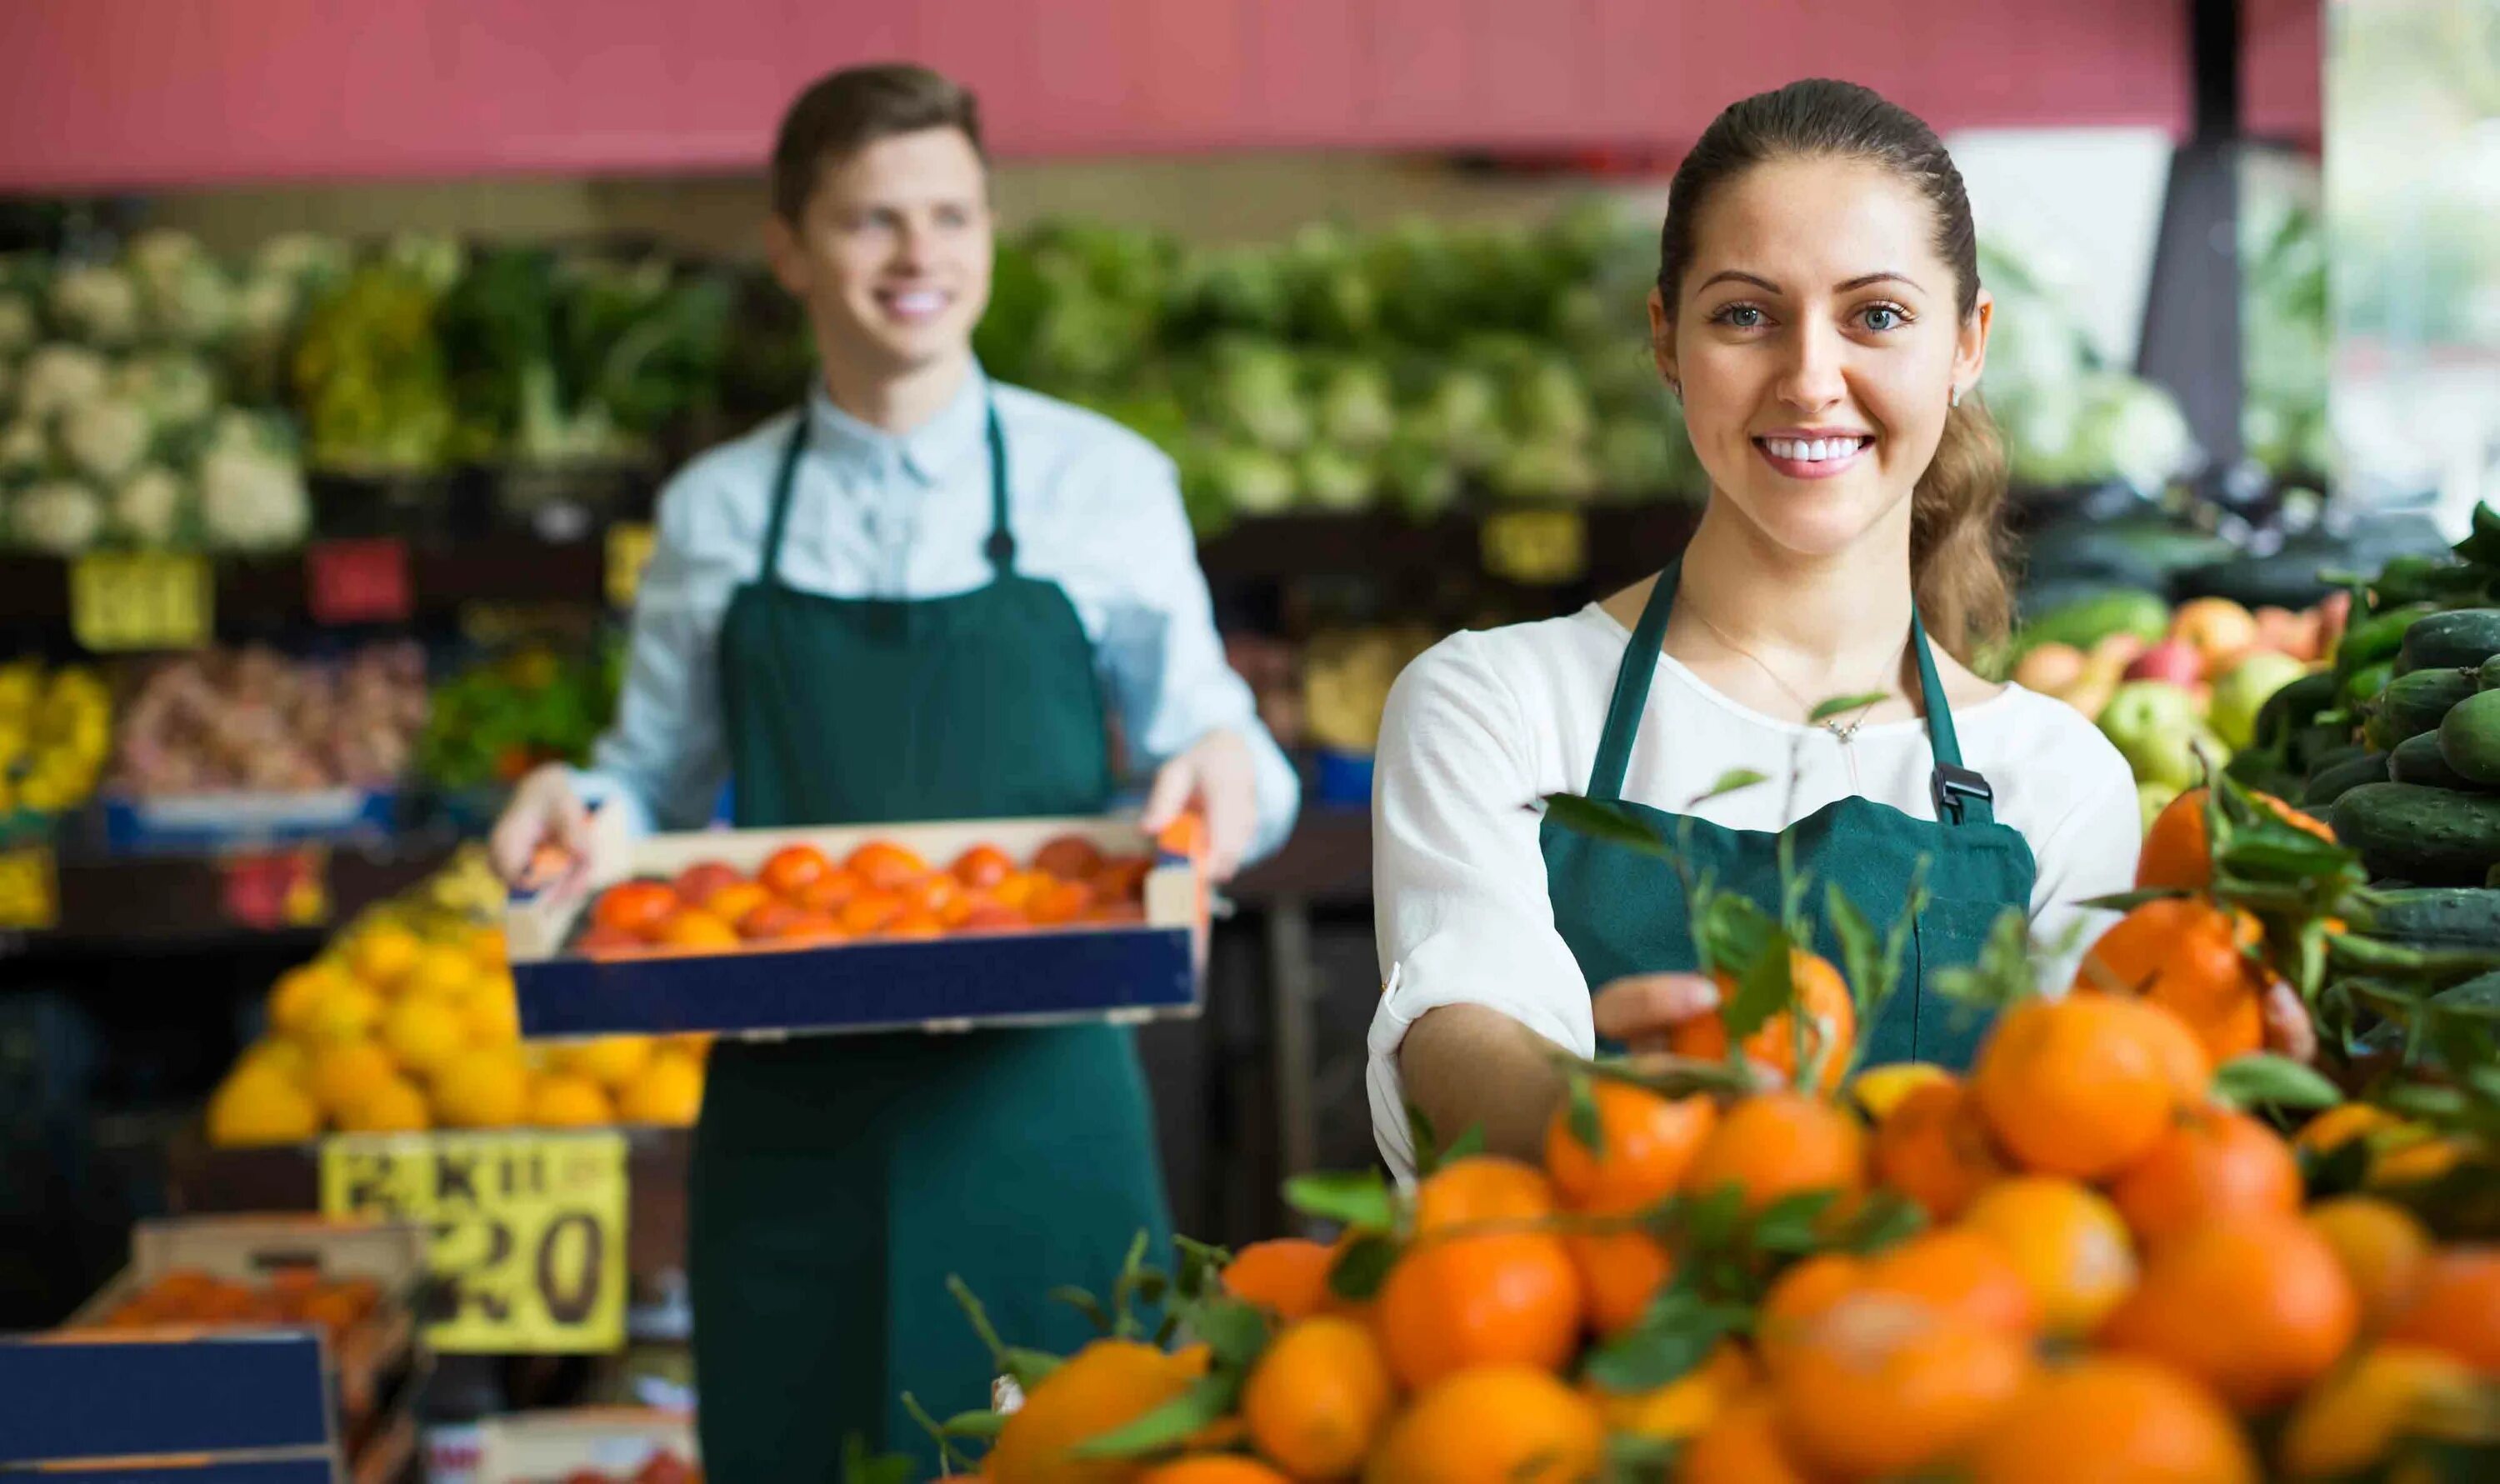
838,1180
1623,912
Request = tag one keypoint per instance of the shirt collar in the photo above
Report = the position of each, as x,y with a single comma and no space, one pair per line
925,453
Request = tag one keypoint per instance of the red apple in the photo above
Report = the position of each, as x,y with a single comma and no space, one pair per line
2173,660
2050,669
2221,629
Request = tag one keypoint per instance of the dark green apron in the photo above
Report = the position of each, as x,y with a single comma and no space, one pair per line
838,1180
1623,912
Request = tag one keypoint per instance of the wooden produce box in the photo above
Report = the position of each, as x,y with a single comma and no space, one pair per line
631,1445
239,1388
1019,975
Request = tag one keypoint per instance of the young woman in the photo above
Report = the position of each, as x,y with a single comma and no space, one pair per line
1819,315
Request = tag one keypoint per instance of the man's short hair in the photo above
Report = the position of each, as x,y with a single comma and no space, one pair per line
845,112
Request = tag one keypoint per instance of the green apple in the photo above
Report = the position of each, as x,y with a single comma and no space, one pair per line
2155,725
2245,688
2152,798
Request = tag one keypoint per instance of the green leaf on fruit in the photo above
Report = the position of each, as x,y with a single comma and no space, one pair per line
1834,706
1170,1424
1356,1198
1763,989
2263,1078
1581,1114
1363,1266
1675,1336
1730,782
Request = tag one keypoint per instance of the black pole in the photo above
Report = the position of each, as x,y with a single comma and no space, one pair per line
2192,313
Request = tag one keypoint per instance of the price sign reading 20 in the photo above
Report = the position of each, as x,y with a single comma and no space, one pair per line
529,1231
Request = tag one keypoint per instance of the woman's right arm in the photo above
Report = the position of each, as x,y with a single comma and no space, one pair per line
1480,990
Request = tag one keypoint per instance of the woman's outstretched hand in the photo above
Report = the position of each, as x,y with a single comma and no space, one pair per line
1641,1010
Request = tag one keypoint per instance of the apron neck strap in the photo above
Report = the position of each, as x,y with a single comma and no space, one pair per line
771,575
1961,796
1001,547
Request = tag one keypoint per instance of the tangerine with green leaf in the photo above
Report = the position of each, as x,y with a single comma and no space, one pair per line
1830,1024
1646,1142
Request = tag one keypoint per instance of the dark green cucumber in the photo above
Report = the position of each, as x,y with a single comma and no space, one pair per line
2489,676
2432,837
2362,686
2440,917
2294,706
2375,637
2328,784
2414,703
2416,760
2460,638
2469,738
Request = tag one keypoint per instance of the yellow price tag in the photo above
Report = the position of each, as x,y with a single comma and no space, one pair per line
529,1231
142,600
1535,548
629,552
29,894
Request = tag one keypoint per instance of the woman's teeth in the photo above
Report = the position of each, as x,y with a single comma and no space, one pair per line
1813,450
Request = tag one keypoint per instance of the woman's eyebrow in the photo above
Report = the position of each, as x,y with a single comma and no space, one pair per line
1863,281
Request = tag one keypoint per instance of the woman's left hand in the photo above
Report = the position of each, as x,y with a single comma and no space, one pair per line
1641,1010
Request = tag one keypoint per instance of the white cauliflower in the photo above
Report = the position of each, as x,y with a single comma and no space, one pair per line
59,516
304,258
24,450
17,329
252,433
252,500
196,307
176,387
59,377
107,438
148,508
266,305
97,302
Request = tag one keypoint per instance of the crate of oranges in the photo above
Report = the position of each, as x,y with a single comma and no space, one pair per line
283,1337
933,926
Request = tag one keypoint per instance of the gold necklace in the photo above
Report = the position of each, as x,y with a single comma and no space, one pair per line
1843,732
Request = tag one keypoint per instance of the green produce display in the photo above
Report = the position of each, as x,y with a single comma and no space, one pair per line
2430,837
2335,779
2469,738
2460,637
2440,916
2414,703
496,721
2416,760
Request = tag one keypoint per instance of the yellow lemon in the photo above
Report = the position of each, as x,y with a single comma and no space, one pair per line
259,1105
693,1043
292,997
669,1091
425,1032
341,1011
284,1057
570,1101
344,1072
493,1015
394,1107
486,948
441,969
482,1090
2351,1419
1881,1089
382,954
610,1061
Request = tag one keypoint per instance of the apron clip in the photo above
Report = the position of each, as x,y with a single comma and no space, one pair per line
1951,784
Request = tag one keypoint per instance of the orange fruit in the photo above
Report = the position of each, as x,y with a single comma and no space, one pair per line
1645,1145
2352,1418
2382,1249
2185,954
2455,1307
2176,852
382,953
1319,1398
733,900
2112,1418
482,1090
395,1106
1493,1425
1059,901
1106,1384
609,1062
1481,1188
1186,834
1831,1025
770,921
492,1014
1934,1147
1122,878
697,882
2340,1124
696,931
2256,1307
1214,1468
982,867
343,1072
884,866
1620,1274
606,942
915,924
297,991
2082,1086
2069,1243
1804,1291
829,893
636,909
570,1101
258,1104
992,917
341,1010
1068,857
793,868
1741,1445
1958,1272
1458,1302
666,1092
424,1033
871,911
1682,1407
1287,1276
933,893
1779,1143
2212,1163
1879,1384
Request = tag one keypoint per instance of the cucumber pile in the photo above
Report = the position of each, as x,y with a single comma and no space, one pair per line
2398,744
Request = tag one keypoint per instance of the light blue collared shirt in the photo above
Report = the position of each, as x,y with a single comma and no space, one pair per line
873,514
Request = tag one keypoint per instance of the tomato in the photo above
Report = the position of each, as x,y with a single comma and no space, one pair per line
793,868
983,867
605,941
732,901
869,913
1122,878
698,881
992,917
1060,902
636,909
933,893
885,866
916,924
697,930
830,892
1070,857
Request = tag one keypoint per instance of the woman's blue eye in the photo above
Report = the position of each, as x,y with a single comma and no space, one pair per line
1893,314
1733,312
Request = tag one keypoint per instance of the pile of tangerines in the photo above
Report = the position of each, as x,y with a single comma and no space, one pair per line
186,1296
802,896
2091,1257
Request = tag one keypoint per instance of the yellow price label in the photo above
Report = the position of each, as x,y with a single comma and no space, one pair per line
142,600
1535,548
528,1231
29,890
629,552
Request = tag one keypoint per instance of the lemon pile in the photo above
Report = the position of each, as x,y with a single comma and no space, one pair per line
408,1021
56,732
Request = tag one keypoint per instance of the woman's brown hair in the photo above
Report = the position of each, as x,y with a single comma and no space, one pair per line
1957,563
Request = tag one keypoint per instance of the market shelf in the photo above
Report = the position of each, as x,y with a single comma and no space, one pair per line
115,903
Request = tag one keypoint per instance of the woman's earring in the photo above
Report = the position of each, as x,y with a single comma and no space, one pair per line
1956,397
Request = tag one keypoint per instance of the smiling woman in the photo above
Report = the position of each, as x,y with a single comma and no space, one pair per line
1819,312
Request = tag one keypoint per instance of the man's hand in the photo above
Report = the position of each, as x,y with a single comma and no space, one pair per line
544,815
1216,773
